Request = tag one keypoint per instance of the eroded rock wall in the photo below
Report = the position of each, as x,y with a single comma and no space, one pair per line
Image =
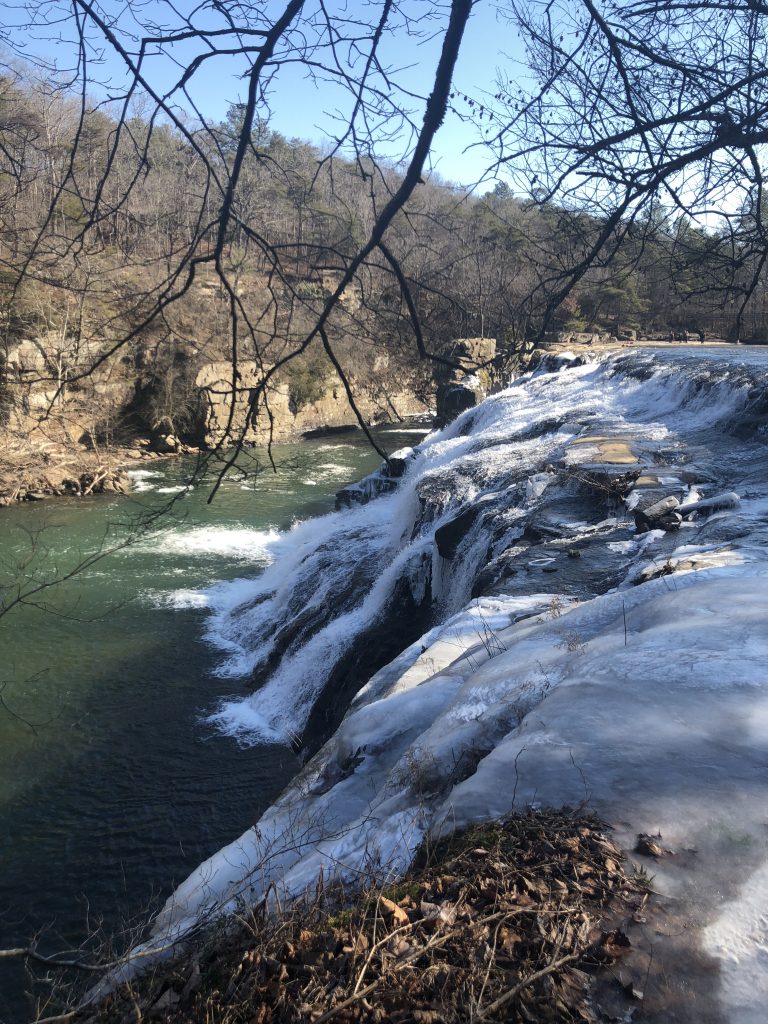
280,413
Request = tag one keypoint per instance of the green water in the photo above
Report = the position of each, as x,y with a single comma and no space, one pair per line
112,786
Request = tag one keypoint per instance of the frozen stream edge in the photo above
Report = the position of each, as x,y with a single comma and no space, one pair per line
648,703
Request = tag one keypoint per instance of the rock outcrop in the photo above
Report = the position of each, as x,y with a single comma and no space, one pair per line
278,413
464,380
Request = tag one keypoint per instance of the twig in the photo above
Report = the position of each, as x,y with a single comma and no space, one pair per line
60,1017
508,996
415,955
29,953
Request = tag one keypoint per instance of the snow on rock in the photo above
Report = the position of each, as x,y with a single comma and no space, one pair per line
664,731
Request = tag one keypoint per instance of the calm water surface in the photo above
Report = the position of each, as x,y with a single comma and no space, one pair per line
112,786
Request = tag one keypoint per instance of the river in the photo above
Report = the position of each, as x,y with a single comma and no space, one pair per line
112,784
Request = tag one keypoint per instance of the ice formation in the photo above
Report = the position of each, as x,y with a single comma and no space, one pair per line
567,658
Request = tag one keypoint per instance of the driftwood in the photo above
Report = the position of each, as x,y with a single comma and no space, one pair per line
99,477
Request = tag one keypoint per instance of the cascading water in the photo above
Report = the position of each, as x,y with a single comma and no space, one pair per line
466,497
483,628
547,644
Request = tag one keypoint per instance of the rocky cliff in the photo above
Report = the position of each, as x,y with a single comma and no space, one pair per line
228,409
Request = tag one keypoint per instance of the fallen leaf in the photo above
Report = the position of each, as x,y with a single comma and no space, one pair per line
393,910
648,846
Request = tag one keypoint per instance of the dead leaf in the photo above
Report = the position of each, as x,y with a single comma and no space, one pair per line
393,910
429,911
615,943
508,939
648,846
447,914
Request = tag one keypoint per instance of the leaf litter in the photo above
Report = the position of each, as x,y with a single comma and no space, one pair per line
510,921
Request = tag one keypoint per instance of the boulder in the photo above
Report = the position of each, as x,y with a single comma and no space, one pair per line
456,397
661,515
398,461
165,444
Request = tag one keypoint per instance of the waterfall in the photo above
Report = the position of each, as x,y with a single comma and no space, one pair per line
481,481
538,642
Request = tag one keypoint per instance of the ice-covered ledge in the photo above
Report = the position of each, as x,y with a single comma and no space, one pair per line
647,702
662,728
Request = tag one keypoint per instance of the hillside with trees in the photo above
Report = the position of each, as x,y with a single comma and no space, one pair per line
139,245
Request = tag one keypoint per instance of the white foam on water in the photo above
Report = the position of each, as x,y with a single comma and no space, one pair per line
178,600
145,474
238,543
142,479
415,431
333,468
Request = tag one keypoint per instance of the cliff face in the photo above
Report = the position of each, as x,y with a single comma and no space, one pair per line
57,426
382,402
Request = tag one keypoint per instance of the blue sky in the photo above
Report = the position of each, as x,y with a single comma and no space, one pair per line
299,107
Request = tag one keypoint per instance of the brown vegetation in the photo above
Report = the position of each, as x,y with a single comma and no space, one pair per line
506,922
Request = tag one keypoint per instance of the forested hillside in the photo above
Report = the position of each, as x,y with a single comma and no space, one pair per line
134,252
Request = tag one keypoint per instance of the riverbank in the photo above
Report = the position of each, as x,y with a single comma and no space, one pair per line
49,465
46,468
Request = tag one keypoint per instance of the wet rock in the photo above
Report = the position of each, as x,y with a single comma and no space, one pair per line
398,461
456,397
349,496
449,536
165,444
553,362
661,515
497,575
361,493
383,481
